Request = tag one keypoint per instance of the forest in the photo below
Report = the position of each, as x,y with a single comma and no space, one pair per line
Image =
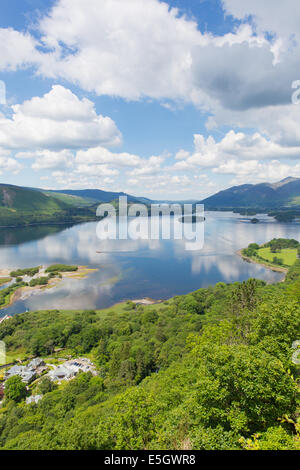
209,370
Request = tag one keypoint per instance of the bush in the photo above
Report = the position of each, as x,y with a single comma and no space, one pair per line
15,389
39,281
278,261
25,272
61,268
46,386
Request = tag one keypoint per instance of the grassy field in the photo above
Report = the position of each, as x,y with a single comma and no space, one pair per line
4,280
287,255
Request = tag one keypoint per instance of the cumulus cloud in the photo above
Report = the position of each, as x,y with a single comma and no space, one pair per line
8,164
45,159
234,146
255,171
17,49
274,16
108,49
131,48
101,155
49,123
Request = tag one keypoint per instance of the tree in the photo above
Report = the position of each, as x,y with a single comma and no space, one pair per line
46,386
15,389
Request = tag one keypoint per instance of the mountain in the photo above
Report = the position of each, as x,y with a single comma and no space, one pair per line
14,198
283,194
97,195
21,206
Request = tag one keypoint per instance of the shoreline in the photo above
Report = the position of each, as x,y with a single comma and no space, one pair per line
262,263
23,292
34,224
146,301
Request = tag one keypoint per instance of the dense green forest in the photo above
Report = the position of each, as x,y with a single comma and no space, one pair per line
209,370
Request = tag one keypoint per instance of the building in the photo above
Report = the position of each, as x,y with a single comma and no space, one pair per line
35,363
70,369
27,373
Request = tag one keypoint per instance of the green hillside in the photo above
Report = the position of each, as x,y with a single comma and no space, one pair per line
23,199
70,200
98,195
211,370
24,206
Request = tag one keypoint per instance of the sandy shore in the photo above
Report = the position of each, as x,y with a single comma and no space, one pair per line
277,269
147,301
5,272
24,292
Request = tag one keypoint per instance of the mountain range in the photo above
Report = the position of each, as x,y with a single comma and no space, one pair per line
281,195
23,206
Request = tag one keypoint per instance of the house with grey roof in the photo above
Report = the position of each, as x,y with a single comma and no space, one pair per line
27,374
70,369
35,363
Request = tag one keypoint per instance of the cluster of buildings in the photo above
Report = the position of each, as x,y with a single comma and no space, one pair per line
27,373
70,369
37,368
66,371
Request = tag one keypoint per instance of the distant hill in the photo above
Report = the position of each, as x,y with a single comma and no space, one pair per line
20,206
28,206
97,195
284,194
17,198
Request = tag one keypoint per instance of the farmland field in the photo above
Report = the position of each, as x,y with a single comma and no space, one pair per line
287,255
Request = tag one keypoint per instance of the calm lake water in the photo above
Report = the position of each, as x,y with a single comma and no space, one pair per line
156,269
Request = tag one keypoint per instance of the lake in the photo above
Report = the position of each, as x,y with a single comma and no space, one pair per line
157,269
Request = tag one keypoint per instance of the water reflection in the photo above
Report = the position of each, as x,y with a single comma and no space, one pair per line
137,268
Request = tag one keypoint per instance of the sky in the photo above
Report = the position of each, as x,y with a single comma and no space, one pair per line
162,99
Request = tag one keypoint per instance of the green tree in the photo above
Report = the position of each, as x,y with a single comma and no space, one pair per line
46,386
15,389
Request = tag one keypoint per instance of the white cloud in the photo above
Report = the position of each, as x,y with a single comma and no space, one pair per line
151,166
108,49
165,56
95,170
131,48
17,49
45,159
100,155
60,104
8,164
48,123
255,171
274,16
233,147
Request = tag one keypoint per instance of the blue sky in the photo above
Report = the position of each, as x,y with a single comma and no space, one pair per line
140,97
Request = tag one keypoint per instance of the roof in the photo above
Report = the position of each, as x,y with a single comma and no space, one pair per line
26,373
37,362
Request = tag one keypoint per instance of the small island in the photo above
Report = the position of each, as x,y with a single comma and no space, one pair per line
279,254
27,280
